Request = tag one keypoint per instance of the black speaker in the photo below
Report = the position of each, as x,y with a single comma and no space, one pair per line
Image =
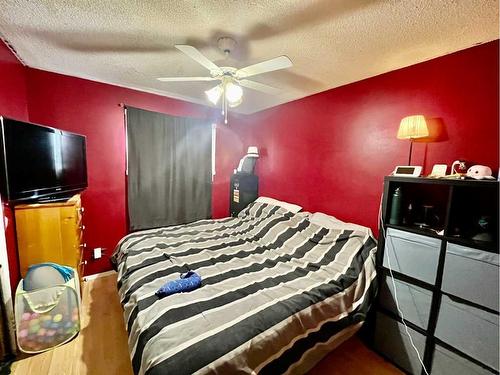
244,189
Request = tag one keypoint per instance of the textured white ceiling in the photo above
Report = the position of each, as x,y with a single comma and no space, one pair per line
331,42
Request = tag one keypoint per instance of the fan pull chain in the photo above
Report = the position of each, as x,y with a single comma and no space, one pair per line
224,102
225,110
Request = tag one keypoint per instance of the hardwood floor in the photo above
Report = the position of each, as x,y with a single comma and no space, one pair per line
101,346
354,358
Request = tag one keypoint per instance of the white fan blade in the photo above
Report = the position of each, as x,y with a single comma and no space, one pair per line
281,62
185,79
259,87
198,57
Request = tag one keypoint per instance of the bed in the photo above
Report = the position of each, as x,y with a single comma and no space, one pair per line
278,293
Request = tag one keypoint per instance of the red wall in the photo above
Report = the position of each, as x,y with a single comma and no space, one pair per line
13,96
329,152
13,103
92,109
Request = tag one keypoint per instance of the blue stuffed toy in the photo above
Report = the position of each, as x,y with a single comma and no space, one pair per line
189,281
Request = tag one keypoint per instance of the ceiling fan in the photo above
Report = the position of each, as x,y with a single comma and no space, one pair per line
231,79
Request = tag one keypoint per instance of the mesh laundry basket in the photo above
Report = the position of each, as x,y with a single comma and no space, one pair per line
47,317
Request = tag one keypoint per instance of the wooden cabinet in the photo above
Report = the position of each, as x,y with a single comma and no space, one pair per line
50,232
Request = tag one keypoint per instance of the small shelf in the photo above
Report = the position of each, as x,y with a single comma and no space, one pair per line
474,213
467,210
443,181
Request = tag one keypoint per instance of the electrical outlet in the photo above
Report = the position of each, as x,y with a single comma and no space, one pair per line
97,252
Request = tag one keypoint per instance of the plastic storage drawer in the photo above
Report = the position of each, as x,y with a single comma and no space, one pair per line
446,362
472,275
48,317
392,341
414,302
412,254
472,331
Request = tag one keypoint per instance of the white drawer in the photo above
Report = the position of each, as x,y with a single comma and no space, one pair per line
472,275
472,331
414,302
446,362
412,254
392,341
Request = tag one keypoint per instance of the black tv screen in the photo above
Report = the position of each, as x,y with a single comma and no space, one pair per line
40,161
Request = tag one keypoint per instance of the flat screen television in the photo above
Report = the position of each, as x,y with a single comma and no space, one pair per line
40,162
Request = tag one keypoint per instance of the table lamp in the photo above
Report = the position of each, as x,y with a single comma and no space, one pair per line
413,127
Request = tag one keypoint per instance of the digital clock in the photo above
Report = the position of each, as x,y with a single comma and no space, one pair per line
407,171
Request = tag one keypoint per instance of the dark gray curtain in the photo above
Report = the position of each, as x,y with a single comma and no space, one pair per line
169,169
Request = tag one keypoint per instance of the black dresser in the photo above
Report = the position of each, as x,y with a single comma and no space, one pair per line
443,253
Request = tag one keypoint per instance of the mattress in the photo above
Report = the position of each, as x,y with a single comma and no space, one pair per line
278,293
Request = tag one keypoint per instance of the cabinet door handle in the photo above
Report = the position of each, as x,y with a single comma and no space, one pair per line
81,209
82,227
83,245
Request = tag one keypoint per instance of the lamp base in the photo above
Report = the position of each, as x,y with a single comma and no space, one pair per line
411,148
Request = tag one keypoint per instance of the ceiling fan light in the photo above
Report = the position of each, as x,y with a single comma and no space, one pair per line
234,94
214,94
234,104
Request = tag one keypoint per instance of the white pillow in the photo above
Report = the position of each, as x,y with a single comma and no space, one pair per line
324,220
331,222
287,206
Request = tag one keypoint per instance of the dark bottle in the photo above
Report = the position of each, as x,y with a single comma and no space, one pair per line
396,212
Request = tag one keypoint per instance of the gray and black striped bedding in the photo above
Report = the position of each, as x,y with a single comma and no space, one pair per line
278,293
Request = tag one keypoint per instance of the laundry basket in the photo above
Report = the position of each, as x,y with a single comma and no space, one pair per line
47,317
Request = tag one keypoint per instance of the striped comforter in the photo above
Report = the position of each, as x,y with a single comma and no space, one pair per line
278,293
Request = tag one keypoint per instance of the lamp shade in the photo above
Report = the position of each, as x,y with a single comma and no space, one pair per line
412,127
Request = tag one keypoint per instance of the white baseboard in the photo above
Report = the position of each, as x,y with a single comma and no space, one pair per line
98,275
